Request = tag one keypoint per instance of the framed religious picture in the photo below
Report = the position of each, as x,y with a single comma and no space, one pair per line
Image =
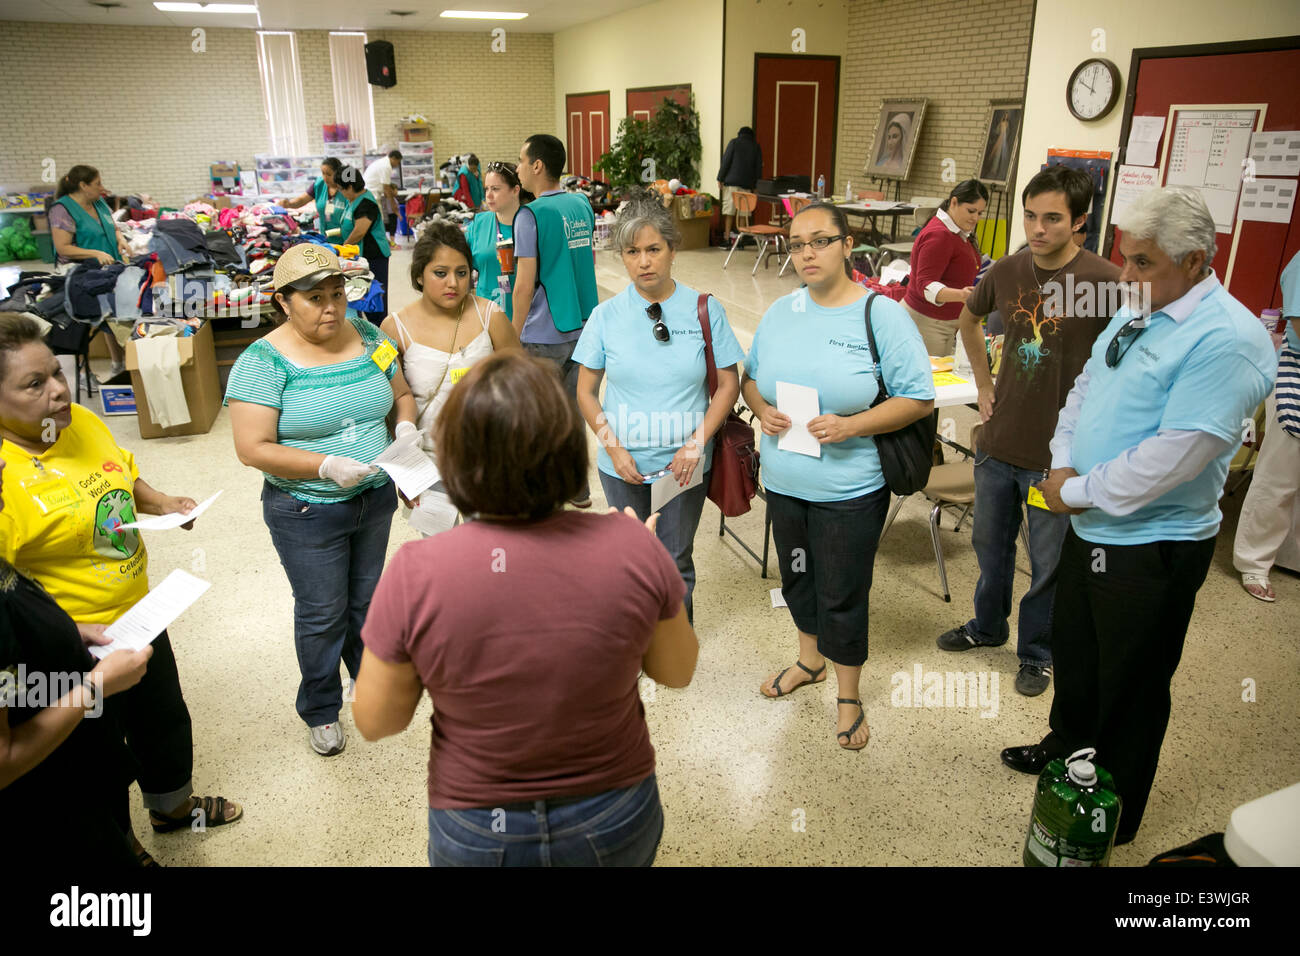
897,131
1000,141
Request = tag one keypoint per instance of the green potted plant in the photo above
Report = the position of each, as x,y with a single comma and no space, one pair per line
665,147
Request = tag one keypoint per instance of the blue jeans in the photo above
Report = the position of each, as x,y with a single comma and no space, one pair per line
615,828
677,522
333,554
1000,492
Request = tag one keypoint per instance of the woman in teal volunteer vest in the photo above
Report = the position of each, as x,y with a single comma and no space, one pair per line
363,225
324,193
502,198
80,221
82,227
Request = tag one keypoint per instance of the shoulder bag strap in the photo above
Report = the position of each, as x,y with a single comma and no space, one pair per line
881,394
702,307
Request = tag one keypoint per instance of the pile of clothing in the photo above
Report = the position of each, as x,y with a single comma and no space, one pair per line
593,189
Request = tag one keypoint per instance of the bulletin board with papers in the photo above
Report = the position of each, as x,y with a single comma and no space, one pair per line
1221,118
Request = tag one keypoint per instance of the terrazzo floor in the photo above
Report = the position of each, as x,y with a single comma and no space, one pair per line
744,780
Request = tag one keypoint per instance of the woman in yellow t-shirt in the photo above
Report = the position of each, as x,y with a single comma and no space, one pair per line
71,490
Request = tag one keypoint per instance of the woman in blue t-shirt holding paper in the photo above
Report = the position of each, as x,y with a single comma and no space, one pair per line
828,500
658,419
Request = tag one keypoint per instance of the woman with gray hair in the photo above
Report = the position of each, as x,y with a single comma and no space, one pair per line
658,418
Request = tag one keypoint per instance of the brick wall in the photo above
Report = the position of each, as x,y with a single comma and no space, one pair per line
958,55
151,114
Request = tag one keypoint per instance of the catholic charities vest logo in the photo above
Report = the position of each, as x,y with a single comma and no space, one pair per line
133,910
578,232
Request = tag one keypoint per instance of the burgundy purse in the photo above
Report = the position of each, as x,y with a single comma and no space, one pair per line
733,480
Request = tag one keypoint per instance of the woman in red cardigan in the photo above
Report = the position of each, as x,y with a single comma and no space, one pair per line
944,262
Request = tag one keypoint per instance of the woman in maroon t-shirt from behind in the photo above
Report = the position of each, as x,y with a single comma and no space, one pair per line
529,626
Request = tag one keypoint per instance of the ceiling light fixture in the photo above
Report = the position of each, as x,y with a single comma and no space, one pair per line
481,15
206,7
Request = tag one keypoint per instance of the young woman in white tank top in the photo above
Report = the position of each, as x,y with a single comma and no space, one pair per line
448,328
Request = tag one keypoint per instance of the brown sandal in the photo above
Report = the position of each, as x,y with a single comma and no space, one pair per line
211,813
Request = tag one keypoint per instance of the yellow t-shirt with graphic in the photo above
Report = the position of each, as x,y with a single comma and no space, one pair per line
61,515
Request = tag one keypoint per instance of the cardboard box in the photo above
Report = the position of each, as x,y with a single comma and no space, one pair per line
417,132
199,379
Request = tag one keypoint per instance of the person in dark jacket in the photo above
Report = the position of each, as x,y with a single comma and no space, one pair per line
742,165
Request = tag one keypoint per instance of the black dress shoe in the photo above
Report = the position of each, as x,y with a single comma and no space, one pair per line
1030,759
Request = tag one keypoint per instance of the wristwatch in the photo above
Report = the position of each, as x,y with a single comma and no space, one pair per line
91,702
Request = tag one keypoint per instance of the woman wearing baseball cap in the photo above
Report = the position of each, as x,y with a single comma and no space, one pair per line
307,406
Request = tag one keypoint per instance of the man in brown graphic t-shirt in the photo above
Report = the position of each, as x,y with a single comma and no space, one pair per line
1055,299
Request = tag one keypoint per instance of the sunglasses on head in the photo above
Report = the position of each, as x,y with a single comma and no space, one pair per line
501,168
656,312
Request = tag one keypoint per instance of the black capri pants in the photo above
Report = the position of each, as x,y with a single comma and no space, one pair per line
826,550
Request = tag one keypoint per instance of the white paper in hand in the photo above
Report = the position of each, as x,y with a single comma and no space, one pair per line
173,520
409,466
800,402
666,489
434,515
778,598
151,615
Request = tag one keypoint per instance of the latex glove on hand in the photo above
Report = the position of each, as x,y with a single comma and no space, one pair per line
345,472
406,435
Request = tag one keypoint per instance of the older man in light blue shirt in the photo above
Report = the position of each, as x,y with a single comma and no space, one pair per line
1139,458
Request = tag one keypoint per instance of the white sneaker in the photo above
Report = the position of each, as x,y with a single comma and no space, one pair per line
328,739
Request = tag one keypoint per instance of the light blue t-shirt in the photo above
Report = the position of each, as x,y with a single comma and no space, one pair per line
803,343
1206,373
1291,301
656,393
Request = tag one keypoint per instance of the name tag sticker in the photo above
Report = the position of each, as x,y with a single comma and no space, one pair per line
456,374
1036,499
383,356
52,492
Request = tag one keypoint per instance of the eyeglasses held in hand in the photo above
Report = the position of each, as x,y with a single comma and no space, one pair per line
656,312
820,243
1123,340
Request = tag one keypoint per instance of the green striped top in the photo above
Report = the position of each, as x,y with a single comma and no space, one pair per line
330,409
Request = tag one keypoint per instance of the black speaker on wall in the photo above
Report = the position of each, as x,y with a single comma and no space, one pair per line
381,70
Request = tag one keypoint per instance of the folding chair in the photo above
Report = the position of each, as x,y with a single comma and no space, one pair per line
745,205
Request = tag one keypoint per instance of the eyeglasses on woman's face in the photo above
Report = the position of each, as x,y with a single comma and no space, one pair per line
818,244
656,313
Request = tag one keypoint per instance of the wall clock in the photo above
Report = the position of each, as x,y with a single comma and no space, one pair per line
1093,89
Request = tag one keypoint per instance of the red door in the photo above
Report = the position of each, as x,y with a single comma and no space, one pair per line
1250,259
644,102
587,129
796,105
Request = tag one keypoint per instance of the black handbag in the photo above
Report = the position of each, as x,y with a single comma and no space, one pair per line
907,454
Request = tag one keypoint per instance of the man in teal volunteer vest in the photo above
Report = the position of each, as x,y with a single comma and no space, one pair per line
555,266
363,225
